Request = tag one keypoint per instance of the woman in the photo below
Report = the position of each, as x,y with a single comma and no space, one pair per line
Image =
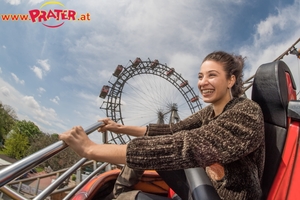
226,137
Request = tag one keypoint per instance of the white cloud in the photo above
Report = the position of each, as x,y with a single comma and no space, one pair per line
182,61
77,112
234,1
15,77
34,2
87,97
55,100
44,64
41,90
68,79
28,108
275,25
41,71
39,112
144,29
38,71
3,46
13,2
43,121
31,102
5,91
0,70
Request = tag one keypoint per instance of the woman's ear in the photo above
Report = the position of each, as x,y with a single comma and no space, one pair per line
231,81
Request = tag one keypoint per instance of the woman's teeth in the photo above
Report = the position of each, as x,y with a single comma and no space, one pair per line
207,91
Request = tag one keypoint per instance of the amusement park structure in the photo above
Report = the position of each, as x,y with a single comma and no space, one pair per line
156,77
292,50
273,88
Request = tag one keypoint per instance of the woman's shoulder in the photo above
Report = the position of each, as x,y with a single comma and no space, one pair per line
246,103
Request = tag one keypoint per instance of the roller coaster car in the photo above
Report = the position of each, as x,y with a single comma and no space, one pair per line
101,186
275,91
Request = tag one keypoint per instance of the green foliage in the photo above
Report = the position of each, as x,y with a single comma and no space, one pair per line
27,128
73,177
18,139
39,169
16,145
7,121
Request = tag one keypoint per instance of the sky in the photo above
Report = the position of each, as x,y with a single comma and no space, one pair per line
53,76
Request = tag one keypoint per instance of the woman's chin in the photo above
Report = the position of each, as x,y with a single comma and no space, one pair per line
208,98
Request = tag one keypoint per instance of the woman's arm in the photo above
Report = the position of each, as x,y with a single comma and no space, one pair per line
110,153
234,134
110,125
78,140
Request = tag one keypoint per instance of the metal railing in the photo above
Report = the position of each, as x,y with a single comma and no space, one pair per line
17,169
82,183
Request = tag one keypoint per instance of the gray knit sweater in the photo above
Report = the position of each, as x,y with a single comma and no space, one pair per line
234,139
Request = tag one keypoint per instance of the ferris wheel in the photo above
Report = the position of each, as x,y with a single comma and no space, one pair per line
146,92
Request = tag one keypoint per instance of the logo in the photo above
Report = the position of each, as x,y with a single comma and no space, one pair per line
51,14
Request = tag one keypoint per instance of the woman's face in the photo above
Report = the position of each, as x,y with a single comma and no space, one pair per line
213,83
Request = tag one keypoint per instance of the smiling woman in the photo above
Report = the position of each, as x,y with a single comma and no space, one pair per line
226,138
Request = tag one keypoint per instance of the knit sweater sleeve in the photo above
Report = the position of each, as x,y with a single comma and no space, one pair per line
235,133
193,121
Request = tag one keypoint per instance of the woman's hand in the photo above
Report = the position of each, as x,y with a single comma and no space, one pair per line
110,125
78,140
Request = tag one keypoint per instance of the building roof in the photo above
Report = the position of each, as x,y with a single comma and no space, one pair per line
5,161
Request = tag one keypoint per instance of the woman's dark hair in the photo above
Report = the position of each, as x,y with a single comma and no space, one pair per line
233,65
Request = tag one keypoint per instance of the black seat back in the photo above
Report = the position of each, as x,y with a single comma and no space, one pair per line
270,91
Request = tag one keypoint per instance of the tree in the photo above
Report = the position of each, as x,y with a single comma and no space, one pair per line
11,112
16,145
18,139
64,159
27,128
7,120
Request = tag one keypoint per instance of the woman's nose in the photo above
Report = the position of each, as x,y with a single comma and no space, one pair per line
202,81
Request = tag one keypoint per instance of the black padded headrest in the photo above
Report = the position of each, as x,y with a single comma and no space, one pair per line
270,92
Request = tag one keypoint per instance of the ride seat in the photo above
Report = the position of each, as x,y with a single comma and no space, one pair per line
273,88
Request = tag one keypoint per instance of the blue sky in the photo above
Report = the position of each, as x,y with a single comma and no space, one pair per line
52,76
